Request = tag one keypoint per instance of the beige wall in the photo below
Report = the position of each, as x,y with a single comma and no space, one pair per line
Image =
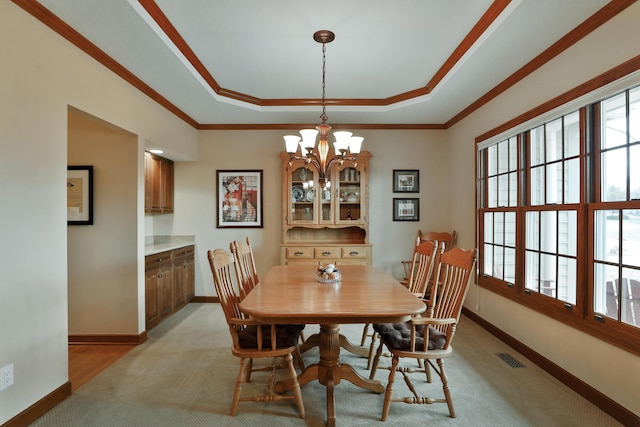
612,371
42,75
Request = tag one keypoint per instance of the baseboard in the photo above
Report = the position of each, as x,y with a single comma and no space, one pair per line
108,339
603,402
205,299
41,407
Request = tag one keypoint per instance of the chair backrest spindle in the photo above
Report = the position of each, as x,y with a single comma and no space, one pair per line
245,266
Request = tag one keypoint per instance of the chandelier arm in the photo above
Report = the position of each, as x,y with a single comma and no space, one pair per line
340,160
307,159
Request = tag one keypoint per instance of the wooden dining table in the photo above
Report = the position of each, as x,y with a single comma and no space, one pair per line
290,294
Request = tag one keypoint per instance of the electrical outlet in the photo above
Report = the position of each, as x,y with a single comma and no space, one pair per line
6,376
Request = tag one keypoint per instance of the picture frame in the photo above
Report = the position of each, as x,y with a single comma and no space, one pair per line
406,209
239,198
79,195
406,181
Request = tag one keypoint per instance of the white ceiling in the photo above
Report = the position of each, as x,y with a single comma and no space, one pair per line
264,50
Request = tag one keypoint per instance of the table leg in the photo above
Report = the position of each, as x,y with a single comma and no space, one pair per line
309,343
355,349
329,371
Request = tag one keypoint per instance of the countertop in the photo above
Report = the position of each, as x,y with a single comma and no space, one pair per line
157,244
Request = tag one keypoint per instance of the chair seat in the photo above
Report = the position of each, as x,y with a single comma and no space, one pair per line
398,336
286,336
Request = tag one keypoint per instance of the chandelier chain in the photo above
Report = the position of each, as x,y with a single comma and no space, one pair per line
323,116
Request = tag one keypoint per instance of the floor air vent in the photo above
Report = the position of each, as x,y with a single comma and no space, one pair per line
510,360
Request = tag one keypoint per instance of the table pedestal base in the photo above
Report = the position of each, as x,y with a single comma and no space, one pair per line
314,341
329,371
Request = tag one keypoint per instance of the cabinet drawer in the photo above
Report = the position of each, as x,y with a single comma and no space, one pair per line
355,252
186,252
323,252
154,260
299,252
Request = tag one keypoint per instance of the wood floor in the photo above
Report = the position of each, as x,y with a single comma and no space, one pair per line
87,360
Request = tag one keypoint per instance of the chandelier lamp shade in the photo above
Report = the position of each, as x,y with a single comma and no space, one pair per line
346,146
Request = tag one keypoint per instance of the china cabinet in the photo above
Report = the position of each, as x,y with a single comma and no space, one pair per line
329,224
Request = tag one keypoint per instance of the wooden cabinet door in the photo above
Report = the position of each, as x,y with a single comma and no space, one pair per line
166,185
185,282
191,279
151,297
179,291
351,194
158,181
154,173
301,194
165,288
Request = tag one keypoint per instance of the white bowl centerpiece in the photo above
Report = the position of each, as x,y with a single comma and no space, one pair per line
328,273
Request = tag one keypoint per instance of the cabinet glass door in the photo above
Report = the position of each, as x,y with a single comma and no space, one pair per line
303,195
349,196
326,204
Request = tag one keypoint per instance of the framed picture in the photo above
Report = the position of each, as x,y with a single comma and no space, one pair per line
79,195
406,209
239,198
406,181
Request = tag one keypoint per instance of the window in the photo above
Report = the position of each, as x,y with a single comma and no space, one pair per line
559,218
616,214
502,197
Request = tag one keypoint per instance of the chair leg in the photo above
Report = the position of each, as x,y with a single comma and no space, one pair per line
238,389
365,333
389,390
297,358
427,370
248,369
445,387
376,361
296,385
374,338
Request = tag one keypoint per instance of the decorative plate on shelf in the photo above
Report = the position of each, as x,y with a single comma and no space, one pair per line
297,193
310,195
351,198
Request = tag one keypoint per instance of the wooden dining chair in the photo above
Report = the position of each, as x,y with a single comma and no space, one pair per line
425,257
245,266
252,340
428,338
247,273
444,237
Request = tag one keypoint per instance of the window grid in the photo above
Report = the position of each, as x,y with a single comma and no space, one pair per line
575,213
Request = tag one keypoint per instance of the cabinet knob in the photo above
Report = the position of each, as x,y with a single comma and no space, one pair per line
354,253
326,253
298,253
160,260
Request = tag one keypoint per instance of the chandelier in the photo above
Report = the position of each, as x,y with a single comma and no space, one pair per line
346,145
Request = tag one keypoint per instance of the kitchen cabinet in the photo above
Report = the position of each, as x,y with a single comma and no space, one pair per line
330,224
158,182
169,283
